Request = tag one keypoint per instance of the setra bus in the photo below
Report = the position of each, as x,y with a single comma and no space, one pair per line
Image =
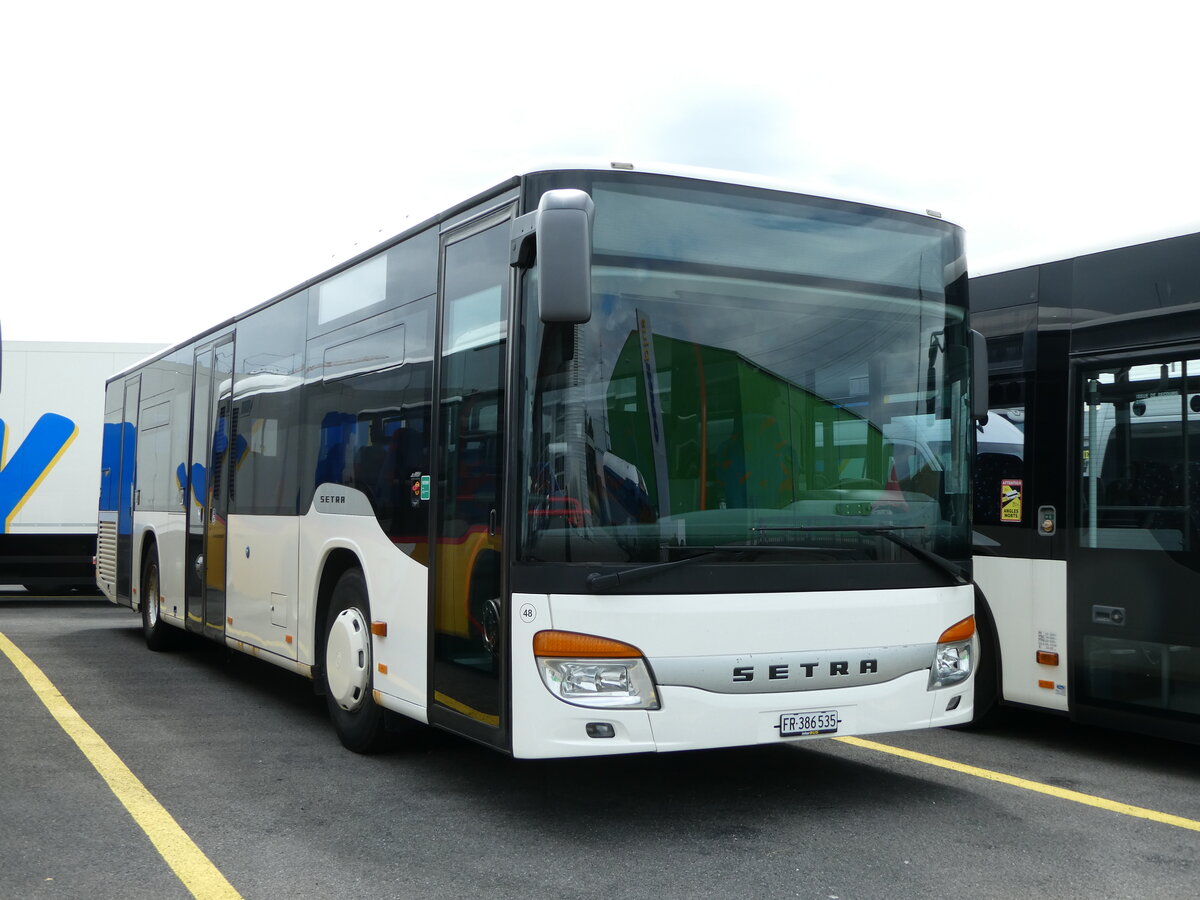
1088,504
599,461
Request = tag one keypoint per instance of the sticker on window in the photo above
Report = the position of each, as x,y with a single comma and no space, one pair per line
1010,500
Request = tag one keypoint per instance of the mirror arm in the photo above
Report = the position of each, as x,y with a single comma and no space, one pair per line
523,252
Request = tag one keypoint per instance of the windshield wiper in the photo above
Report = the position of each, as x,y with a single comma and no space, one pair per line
887,532
599,584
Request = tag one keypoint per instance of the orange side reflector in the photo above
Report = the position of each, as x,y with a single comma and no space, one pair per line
382,668
1047,658
229,620
1048,685
379,629
959,631
287,638
585,646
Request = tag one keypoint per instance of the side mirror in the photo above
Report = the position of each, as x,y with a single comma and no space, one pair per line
979,376
562,228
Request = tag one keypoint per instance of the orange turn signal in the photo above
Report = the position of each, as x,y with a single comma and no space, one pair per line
1047,658
960,631
379,629
581,646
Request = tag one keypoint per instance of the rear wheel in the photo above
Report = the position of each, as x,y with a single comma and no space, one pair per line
357,719
156,632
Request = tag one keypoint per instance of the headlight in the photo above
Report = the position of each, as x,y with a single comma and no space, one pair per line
596,672
953,657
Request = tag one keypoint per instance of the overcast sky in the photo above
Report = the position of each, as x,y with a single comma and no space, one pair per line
166,165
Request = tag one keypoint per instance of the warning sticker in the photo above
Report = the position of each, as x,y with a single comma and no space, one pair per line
1010,500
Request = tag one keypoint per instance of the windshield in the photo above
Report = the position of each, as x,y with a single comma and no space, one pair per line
758,368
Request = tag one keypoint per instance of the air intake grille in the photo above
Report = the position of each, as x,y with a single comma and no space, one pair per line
106,555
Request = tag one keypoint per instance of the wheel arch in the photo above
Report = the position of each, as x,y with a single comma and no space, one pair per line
985,626
337,562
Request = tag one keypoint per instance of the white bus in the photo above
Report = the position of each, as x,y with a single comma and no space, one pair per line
556,470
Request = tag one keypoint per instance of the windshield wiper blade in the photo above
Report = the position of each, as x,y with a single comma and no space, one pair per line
599,583
888,532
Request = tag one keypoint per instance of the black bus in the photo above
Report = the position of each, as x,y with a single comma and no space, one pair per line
1087,487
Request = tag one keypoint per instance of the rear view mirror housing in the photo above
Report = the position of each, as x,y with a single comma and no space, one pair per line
979,376
558,237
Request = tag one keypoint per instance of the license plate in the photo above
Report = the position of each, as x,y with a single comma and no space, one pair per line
825,721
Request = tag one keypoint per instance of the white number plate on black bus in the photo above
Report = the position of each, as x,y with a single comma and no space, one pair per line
825,721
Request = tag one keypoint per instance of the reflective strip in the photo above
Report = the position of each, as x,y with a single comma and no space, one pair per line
475,714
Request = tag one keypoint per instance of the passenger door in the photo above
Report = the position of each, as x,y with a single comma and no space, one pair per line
468,588
127,579
1135,576
211,467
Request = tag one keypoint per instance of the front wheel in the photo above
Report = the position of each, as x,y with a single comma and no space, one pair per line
357,719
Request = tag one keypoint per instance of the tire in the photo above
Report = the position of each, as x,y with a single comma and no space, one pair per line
158,634
347,667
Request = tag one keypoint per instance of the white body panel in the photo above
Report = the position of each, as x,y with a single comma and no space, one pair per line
65,378
261,598
1028,600
274,566
693,627
398,588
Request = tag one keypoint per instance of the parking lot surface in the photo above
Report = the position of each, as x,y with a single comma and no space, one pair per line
240,757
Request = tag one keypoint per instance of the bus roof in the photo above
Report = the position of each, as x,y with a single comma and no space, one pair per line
729,176
717,176
1068,251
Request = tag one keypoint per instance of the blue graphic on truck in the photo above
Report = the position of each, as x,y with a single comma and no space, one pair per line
32,461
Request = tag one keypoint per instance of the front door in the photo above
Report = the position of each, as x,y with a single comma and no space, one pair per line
127,491
468,604
210,468
1135,573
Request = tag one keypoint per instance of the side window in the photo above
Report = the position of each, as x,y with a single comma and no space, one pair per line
262,423
1000,468
1140,456
368,416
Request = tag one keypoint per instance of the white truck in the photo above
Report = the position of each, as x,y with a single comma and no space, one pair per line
51,424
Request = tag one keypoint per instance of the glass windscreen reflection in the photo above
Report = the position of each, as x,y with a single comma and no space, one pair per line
756,371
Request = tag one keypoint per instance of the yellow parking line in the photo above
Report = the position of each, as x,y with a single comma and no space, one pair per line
186,860
1062,793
